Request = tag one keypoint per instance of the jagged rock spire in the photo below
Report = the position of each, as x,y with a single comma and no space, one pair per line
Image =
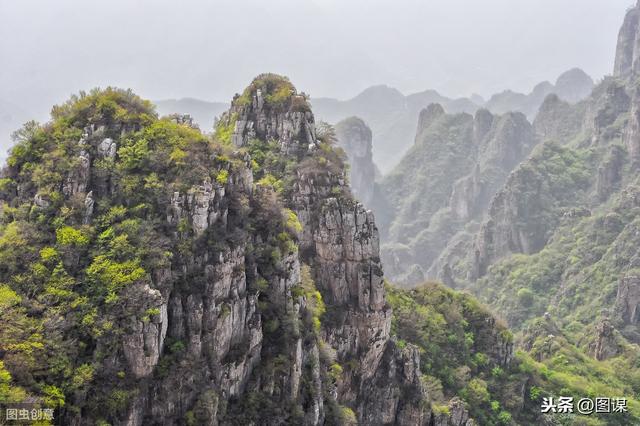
627,60
270,108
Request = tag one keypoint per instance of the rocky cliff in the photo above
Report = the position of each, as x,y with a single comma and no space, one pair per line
354,136
540,221
553,251
445,184
559,181
626,60
181,280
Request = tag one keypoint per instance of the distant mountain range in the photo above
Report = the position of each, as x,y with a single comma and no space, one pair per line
393,116
572,86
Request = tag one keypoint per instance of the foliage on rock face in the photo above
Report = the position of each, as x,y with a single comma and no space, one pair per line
446,144
90,218
272,169
559,367
54,266
457,338
66,279
277,92
557,242
454,334
224,130
70,262
573,281
558,296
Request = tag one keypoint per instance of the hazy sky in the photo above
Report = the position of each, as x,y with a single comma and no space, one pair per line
211,49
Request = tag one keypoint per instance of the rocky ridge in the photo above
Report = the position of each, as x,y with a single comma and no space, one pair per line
339,242
232,280
467,158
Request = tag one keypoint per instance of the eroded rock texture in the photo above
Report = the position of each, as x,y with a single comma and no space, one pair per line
354,136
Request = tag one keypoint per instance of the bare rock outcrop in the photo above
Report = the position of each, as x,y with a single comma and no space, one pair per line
627,52
628,299
354,136
604,344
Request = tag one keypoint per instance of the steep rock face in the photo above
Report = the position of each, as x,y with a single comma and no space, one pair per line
628,299
443,142
502,234
214,320
627,55
221,282
458,416
339,241
605,343
557,120
411,200
264,114
607,113
627,66
610,173
632,131
395,402
482,123
525,212
429,115
460,172
502,147
354,136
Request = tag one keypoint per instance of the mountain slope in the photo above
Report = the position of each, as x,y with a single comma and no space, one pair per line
444,184
554,251
159,284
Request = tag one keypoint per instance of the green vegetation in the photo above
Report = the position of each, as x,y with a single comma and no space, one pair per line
224,129
457,338
81,273
276,90
69,276
559,240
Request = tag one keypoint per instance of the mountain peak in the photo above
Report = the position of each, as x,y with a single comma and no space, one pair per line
380,92
573,74
626,50
574,85
270,108
429,115
273,91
